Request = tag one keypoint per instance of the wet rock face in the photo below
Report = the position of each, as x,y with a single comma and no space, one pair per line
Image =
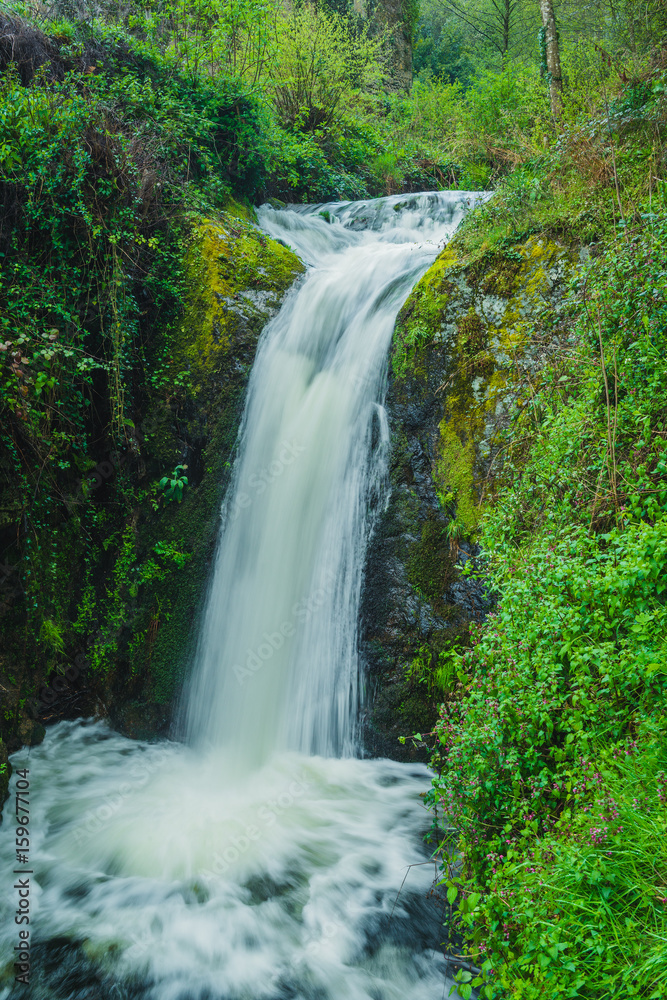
137,587
468,348
415,602
237,279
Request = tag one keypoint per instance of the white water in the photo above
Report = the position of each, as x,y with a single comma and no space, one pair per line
278,665
261,860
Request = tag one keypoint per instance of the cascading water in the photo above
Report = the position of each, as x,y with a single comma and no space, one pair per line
261,859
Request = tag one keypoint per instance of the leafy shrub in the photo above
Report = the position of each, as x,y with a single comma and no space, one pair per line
552,765
173,486
320,62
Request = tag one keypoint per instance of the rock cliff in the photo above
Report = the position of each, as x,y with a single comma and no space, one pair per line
128,558
467,352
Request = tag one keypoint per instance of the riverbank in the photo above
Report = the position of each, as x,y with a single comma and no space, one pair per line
550,745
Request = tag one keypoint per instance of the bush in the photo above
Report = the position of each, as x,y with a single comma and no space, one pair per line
321,62
552,764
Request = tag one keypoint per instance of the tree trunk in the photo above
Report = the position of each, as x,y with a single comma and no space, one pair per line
554,75
507,16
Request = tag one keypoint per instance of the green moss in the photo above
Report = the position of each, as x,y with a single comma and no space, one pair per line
454,477
241,210
471,344
473,317
430,567
422,315
235,276
503,278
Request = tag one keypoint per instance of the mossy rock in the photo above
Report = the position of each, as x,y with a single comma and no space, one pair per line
468,348
493,316
128,593
237,277
237,280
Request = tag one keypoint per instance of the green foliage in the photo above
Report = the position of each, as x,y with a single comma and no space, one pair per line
468,111
470,136
552,764
420,671
50,635
439,51
229,38
321,63
94,171
169,556
173,486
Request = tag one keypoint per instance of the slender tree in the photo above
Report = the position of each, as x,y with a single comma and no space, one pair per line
554,75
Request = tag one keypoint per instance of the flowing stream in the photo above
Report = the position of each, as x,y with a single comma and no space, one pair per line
262,857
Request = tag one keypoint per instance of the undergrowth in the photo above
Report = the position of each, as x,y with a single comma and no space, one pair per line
552,762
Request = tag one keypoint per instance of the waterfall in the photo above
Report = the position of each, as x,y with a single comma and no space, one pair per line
277,666
262,859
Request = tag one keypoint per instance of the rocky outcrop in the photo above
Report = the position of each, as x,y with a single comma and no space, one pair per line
468,349
131,556
397,19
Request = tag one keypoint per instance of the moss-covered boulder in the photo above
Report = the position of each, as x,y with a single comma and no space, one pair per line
129,561
466,356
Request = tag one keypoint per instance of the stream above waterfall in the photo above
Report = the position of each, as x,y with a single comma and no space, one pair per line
260,856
